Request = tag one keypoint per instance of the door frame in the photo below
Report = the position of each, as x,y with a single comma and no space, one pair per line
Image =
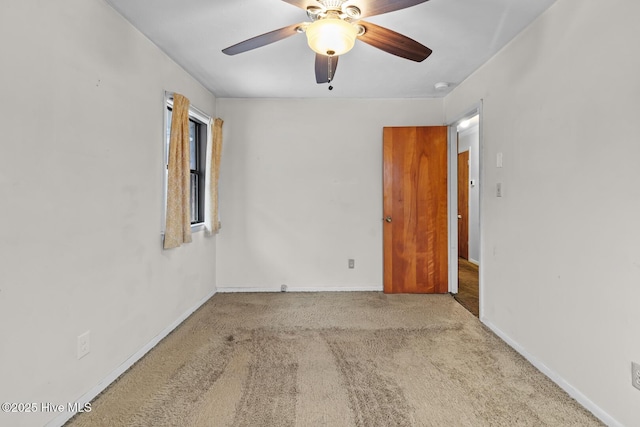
452,160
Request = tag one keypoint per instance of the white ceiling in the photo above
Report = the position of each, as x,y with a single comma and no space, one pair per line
463,35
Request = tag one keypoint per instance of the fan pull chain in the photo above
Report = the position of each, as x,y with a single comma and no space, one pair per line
329,73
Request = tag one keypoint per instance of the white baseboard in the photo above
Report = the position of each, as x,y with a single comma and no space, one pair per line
372,288
473,261
556,378
91,394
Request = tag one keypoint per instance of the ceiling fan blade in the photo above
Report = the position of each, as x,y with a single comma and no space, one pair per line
393,43
262,40
378,7
325,68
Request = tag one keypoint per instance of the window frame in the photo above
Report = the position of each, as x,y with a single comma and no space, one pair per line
203,129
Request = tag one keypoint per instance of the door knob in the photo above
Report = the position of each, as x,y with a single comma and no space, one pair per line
388,219
459,216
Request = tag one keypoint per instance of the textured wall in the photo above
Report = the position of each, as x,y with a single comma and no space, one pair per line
81,191
301,190
561,249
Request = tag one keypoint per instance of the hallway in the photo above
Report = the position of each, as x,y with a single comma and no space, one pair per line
468,279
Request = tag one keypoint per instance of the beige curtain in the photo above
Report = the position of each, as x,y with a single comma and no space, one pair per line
214,174
178,225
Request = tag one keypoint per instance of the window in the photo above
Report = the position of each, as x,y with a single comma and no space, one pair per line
198,129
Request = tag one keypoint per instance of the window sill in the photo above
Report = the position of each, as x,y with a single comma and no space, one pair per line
194,228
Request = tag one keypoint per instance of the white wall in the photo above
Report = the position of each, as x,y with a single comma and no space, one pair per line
81,195
561,249
469,140
301,190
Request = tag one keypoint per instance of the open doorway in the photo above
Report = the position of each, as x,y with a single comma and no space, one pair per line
465,186
468,213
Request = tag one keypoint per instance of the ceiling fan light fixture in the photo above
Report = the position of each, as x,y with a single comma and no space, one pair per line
331,36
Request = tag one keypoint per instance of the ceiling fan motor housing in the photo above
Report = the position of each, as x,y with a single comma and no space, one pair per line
332,4
327,7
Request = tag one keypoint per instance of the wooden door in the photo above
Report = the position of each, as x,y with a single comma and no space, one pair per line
463,205
415,210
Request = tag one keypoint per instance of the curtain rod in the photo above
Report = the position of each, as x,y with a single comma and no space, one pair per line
169,96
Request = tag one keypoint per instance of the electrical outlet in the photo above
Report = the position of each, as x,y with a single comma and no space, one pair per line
352,263
283,288
84,344
499,189
635,375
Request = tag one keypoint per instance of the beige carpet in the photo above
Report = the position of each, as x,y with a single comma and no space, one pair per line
333,359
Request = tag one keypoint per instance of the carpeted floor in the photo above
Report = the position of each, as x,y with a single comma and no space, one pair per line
333,359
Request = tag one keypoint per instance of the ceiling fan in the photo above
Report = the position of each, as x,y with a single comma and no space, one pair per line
335,25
